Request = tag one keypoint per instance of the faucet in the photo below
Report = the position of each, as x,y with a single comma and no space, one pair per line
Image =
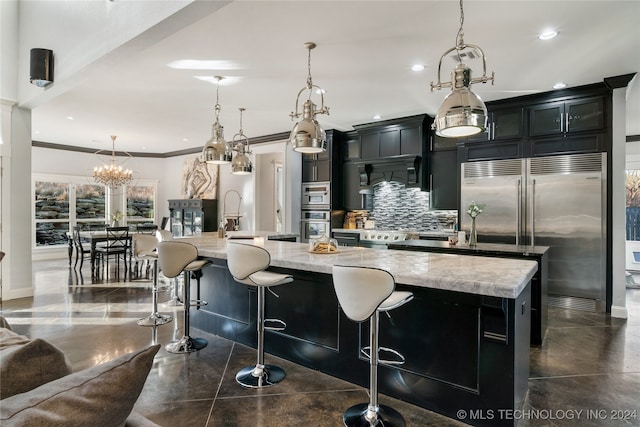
233,219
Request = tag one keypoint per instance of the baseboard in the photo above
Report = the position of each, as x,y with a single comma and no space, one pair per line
9,294
619,312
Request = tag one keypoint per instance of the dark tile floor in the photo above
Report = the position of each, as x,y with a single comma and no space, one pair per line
586,373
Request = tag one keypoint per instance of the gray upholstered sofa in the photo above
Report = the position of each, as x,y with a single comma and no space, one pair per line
37,387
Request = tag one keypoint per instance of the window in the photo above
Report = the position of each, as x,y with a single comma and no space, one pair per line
632,181
141,203
60,202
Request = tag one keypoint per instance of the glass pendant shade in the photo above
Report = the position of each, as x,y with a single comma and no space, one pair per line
217,150
307,136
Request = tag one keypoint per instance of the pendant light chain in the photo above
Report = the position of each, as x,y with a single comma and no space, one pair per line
460,35
217,107
309,81
240,132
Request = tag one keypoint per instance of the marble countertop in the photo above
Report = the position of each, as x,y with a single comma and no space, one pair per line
488,248
434,233
500,277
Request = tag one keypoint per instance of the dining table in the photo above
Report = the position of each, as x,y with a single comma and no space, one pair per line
93,238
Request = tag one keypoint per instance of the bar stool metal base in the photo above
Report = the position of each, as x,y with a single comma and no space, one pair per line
186,344
387,417
155,319
254,377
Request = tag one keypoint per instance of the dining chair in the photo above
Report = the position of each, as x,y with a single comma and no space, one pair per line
118,244
82,247
146,228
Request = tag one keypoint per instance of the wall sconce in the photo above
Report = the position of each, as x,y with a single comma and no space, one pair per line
41,67
307,136
462,113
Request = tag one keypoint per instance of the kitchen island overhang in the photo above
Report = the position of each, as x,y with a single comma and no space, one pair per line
464,337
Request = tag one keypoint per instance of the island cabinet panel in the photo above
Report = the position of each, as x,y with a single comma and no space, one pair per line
462,351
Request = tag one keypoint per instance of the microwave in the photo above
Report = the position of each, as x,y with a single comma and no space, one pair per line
316,195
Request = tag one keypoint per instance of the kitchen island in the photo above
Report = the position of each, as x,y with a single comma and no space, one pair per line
539,282
465,336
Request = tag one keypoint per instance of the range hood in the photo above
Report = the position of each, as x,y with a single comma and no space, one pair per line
405,170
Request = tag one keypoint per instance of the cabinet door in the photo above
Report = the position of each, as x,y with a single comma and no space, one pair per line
308,170
506,124
590,143
370,145
389,143
546,119
439,143
411,141
444,179
352,149
352,198
323,170
584,115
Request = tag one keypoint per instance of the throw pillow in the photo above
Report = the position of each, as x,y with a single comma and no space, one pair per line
26,364
103,395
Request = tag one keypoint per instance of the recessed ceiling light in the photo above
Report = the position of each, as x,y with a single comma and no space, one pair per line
417,67
227,81
143,147
559,85
69,118
197,64
377,117
36,132
547,34
185,139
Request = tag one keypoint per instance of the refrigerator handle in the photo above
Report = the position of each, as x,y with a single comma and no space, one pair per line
533,212
567,121
518,216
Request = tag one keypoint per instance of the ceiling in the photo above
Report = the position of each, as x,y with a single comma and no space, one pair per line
363,59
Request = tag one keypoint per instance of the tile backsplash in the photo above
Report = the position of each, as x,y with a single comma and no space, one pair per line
396,207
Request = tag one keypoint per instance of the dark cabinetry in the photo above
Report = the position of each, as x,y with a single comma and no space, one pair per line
391,138
559,122
502,124
326,166
566,117
444,176
351,182
193,216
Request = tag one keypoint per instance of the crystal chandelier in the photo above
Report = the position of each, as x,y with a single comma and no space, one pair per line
112,175
307,136
217,150
241,163
462,112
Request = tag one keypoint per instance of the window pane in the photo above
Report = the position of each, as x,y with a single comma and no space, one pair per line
51,233
51,200
90,201
140,203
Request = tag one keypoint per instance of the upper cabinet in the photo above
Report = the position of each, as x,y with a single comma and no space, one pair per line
502,124
575,120
389,138
566,117
443,173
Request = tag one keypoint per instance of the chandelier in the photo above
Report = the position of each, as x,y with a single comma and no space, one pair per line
112,175
216,150
241,163
462,112
307,136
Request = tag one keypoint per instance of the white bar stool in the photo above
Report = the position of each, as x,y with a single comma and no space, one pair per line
363,293
144,249
247,264
165,236
174,258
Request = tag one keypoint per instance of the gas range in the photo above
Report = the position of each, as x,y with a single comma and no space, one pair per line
380,238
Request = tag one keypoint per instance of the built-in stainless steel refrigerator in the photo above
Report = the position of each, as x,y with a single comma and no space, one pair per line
555,201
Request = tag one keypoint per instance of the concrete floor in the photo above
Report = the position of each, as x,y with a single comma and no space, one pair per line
587,372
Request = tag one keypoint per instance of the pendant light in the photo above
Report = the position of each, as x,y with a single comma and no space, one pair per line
307,136
462,112
241,163
217,150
